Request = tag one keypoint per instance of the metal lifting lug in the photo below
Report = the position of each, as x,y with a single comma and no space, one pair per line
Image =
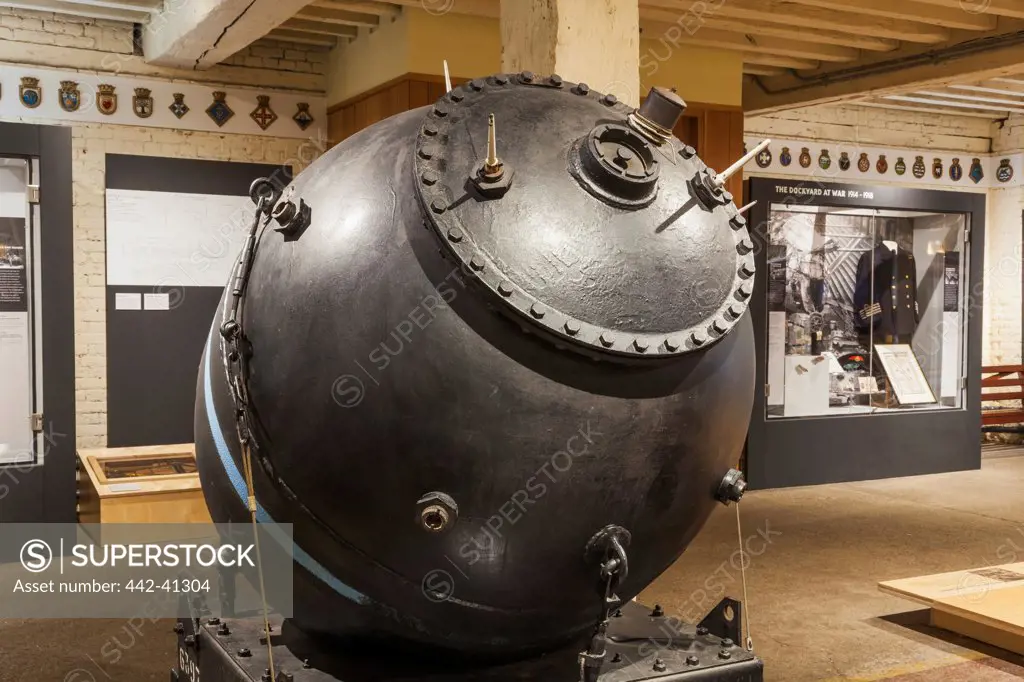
731,488
229,330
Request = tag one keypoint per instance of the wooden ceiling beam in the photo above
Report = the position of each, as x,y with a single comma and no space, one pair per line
923,109
381,9
776,60
952,103
1003,8
761,70
861,42
968,98
908,10
672,34
285,35
335,16
477,8
321,27
692,12
988,90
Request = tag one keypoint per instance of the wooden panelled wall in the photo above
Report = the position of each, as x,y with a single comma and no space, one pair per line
715,131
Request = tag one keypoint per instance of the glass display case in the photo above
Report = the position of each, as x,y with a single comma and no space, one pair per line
865,310
866,316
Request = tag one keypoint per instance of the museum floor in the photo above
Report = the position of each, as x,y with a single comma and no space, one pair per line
815,611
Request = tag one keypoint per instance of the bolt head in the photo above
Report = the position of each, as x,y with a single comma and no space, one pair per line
501,79
747,269
440,111
692,660
746,290
745,246
429,129
438,206
477,84
537,310
607,340
214,621
701,630
477,263
455,235
657,611
456,96
640,345
572,327
429,178
526,76
720,326
505,289
609,100
659,665
699,338
582,89
555,79
738,222
244,653
736,310
616,658
671,344
727,642
688,152
724,655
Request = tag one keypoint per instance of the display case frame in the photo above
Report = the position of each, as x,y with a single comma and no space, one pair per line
820,449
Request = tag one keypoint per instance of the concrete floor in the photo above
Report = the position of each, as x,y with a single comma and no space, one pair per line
816,555
815,611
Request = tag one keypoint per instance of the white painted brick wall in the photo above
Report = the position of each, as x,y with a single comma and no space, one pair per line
90,144
47,28
1003,256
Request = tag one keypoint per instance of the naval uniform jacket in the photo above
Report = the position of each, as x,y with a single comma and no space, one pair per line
891,305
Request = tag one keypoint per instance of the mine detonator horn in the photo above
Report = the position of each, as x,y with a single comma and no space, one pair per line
658,115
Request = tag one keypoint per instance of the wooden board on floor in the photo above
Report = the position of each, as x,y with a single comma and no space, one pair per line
995,617
986,604
929,588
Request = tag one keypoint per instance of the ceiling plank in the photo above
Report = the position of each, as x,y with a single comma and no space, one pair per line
761,28
750,43
336,16
381,9
911,67
80,10
922,109
130,5
952,103
1003,8
991,91
321,27
776,60
692,12
907,10
477,8
969,98
761,70
285,35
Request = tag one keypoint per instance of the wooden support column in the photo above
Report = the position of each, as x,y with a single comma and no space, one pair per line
592,41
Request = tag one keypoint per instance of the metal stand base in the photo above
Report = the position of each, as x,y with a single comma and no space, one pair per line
642,645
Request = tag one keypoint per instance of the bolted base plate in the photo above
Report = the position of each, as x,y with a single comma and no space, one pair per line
641,646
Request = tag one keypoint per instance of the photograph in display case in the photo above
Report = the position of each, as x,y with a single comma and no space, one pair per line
847,285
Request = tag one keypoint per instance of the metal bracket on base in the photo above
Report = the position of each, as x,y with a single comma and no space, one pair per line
724,621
